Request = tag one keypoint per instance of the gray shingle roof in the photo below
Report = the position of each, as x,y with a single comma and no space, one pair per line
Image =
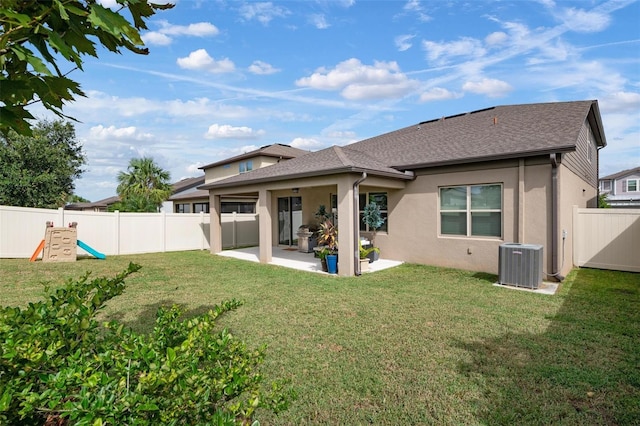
275,150
509,131
621,174
498,132
331,160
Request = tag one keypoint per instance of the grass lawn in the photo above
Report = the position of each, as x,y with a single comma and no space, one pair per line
408,345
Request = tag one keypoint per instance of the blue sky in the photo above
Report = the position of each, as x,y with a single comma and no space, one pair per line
225,77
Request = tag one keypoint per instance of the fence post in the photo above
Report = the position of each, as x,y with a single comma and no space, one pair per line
575,237
116,214
61,216
235,229
163,215
202,240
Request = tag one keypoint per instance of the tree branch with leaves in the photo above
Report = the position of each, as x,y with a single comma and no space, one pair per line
35,35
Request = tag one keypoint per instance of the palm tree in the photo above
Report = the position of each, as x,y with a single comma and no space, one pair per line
144,179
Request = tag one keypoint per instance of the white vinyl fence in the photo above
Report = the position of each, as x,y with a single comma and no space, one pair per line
22,229
607,238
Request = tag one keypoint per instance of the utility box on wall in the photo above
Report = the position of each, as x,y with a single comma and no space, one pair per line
520,265
60,245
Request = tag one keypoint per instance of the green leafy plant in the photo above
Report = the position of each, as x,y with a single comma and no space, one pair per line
364,252
322,215
58,366
61,32
328,235
372,217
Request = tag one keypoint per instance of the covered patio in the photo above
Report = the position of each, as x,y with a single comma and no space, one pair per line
292,258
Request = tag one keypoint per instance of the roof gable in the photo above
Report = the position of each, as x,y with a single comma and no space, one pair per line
275,150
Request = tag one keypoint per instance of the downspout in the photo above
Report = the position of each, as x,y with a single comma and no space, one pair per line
356,223
554,217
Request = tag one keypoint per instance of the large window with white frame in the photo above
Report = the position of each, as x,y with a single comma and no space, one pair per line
471,210
632,185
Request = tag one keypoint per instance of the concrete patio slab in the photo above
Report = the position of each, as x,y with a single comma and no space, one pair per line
544,288
292,258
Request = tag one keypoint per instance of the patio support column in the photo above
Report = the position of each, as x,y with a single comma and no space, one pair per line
346,210
265,225
215,224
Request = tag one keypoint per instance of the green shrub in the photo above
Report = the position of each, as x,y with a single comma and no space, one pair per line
59,366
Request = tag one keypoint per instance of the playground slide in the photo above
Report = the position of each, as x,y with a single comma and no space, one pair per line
36,253
90,250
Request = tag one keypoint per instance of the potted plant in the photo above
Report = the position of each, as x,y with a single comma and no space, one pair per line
364,257
322,215
328,237
322,254
374,220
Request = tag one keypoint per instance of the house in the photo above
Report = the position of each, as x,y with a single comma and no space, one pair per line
452,189
622,189
96,206
187,198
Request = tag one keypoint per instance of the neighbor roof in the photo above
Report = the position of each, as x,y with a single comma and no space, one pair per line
621,174
327,161
276,150
510,131
186,183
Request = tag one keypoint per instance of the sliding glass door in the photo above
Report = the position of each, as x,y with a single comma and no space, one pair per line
289,220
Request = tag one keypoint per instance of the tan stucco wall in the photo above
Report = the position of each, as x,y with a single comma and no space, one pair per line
414,221
220,172
574,191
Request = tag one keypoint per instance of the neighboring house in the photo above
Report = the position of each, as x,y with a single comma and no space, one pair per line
622,188
452,189
96,206
189,199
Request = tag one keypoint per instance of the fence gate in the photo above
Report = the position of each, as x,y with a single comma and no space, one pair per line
607,238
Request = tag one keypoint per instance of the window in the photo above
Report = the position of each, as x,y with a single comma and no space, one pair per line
380,198
632,185
183,208
201,207
605,185
237,207
246,166
471,210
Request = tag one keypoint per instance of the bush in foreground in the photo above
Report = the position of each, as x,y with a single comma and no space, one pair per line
58,366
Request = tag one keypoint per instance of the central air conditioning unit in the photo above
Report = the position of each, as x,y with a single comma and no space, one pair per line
520,265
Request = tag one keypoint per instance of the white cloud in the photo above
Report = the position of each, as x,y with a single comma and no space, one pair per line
319,21
225,131
341,134
582,21
488,86
262,12
162,37
200,29
621,102
442,53
496,38
402,42
194,169
114,133
262,68
200,60
438,94
414,6
308,144
156,38
359,81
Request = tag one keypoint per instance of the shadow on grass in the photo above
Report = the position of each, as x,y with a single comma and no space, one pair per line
145,321
491,278
582,370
